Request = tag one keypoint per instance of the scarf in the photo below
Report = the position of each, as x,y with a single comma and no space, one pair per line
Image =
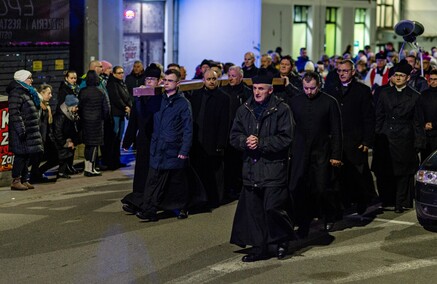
75,88
33,93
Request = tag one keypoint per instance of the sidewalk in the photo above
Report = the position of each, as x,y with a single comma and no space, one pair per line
76,182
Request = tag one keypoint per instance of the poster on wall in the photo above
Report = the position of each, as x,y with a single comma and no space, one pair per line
34,21
6,157
131,51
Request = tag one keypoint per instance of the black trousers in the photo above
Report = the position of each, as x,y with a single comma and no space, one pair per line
19,166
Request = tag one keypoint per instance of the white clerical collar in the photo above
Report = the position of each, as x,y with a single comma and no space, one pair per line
401,88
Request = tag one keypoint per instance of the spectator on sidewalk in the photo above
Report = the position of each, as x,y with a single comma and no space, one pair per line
24,134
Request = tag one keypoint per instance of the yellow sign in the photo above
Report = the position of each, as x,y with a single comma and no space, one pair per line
59,64
37,65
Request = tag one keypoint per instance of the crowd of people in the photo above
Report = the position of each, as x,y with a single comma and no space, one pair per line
290,152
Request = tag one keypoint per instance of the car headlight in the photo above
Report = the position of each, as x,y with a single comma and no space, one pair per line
426,177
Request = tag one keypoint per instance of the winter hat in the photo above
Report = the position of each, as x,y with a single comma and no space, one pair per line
404,68
263,77
153,71
22,75
380,56
71,100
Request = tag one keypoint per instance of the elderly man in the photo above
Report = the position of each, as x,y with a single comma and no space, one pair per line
238,93
211,129
266,62
263,130
358,117
249,68
399,135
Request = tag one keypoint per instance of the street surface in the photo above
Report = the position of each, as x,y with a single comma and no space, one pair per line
74,231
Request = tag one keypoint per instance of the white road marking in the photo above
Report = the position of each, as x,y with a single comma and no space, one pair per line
234,264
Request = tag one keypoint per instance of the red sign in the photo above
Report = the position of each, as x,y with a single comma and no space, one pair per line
6,157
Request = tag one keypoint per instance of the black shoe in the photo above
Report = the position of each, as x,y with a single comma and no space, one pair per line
361,208
62,175
148,217
183,214
41,180
282,251
328,226
102,167
399,210
254,257
71,170
122,165
91,174
303,231
129,209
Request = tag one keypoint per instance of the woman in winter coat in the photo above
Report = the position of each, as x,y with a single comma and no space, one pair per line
45,125
121,105
94,108
66,133
24,134
67,87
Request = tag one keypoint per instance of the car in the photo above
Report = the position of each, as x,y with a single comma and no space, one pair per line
426,191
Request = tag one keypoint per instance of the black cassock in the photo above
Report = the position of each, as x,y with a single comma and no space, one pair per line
317,139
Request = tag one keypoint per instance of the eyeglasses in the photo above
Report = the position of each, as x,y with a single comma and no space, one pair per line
339,71
30,78
400,75
118,73
151,79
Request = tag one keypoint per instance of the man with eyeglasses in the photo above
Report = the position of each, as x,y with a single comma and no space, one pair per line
139,130
316,156
211,117
428,115
167,182
398,139
358,118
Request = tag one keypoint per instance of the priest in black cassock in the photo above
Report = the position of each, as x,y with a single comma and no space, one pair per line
263,130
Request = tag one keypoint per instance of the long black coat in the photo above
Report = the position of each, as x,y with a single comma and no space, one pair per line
266,166
398,132
94,108
317,139
238,95
358,117
118,96
24,132
211,132
428,113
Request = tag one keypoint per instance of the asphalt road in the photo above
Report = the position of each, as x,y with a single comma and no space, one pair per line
74,231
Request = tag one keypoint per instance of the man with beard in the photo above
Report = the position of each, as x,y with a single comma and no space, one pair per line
211,131
428,115
358,117
316,152
262,129
238,93
398,137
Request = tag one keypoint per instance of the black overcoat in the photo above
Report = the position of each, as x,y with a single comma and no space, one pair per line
398,132
118,96
65,128
24,133
213,134
358,118
94,108
317,139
